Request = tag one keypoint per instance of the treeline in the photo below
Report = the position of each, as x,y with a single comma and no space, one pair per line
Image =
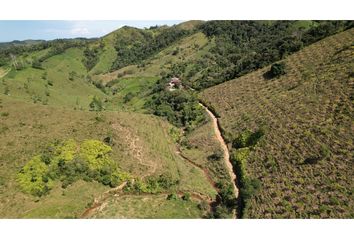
142,44
179,107
91,57
244,46
56,47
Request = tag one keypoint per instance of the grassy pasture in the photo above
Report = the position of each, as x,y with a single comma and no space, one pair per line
142,151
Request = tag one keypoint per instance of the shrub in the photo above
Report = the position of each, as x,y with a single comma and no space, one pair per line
226,193
32,177
69,161
248,138
277,69
172,196
186,197
216,156
249,188
222,212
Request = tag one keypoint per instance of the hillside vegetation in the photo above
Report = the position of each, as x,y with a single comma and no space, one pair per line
294,133
90,129
29,130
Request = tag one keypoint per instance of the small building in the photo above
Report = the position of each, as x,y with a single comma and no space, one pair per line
174,83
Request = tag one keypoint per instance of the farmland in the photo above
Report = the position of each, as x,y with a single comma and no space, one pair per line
304,161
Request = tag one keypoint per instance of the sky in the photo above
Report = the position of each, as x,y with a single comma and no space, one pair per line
49,30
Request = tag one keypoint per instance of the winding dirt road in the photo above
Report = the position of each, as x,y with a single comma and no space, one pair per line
224,148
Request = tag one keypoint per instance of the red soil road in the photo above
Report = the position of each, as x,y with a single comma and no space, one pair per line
224,148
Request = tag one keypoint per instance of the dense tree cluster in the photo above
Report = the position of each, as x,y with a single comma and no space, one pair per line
90,57
180,107
68,162
142,44
244,46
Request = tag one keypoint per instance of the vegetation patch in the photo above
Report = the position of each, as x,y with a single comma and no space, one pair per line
68,162
152,184
180,107
248,138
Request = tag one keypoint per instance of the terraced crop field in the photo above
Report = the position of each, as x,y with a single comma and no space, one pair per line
305,159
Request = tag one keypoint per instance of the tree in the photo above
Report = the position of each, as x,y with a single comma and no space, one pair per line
277,69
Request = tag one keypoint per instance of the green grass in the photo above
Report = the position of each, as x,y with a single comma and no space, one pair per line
200,145
29,85
106,59
148,206
27,128
191,49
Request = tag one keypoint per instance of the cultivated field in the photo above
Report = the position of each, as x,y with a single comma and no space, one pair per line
305,159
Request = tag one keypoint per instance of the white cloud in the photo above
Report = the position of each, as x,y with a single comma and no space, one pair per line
79,31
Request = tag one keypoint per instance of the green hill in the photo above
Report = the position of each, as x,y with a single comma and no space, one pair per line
89,130
303,161
27,128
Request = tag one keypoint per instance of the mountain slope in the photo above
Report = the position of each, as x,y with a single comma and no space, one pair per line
145,153
304,161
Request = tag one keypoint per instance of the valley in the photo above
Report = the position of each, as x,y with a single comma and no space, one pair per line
204,119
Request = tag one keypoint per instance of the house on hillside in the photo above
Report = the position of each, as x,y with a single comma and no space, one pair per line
174,83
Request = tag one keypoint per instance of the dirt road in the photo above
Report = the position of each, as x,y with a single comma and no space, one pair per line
224,148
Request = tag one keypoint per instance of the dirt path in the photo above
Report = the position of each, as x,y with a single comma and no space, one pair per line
99,201
224,148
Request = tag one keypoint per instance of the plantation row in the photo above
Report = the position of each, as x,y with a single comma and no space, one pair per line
303,159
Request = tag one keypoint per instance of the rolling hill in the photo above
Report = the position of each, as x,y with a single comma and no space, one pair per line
88,129
304,160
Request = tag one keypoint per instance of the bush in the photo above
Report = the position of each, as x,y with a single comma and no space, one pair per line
33,177
172,196
186,197
216,156
68,162
277,69
248,138
249,188
226,193
222,212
